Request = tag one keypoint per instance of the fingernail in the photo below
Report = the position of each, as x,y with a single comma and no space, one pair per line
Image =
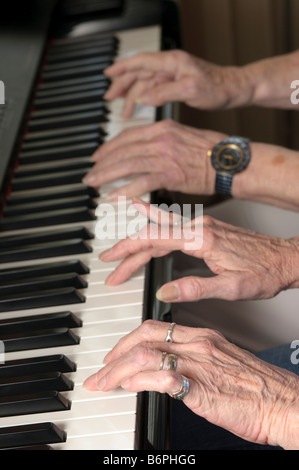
105,254
125,384
89,179
168,293
101,384
113,196
109,279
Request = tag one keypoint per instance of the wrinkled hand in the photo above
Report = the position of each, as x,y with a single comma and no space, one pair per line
155,78
247,265
165,155
228,386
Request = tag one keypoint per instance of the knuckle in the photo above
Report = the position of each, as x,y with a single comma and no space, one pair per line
190,86
207,346
141,354
194,290
208,220
167,124
147,328
170,381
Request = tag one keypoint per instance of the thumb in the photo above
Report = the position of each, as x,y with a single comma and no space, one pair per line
224,286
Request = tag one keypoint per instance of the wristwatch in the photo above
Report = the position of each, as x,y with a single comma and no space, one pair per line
229,157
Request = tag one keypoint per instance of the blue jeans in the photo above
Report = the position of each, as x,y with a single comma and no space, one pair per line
191,432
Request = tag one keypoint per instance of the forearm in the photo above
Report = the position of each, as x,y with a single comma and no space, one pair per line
272,177
265,83
271,80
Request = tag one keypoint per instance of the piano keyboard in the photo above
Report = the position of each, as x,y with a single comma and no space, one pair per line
58,318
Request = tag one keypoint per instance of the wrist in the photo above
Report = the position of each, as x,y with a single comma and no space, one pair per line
271,177
285,430
294,263
241,83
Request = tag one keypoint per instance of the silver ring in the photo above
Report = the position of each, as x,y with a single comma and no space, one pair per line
168,338
164,354
172,362
183,391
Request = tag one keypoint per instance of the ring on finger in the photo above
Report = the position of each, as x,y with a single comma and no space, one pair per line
172,362
183,391
164,354
168,338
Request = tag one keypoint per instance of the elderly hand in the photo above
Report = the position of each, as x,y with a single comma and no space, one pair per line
247,265
154,79
228,386
164,155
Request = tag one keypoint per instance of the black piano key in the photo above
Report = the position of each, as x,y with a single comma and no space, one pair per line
31,435
21,273
85,100
77,62
30,448
70,233
51,159
39,339
63,132
67,105
48,180
12,211
49,166
30,146
50,194
37,365
39,322
35,384
98,78
86,87
67,121
45,250
45,283
95,51
69,44
59,217
43,402
42,299
76,72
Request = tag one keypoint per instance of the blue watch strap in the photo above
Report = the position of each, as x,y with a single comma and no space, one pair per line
224,184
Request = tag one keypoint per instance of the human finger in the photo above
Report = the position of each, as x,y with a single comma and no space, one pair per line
138,187
145,61
128,267
136,135
130,166
163,93
224,286
169,382
154,331
140,357
146,239
120,86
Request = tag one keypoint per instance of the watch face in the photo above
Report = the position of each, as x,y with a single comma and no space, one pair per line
231,156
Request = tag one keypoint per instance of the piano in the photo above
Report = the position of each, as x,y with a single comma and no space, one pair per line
57,318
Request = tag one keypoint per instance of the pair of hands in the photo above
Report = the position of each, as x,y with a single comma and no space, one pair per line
228,386
164,155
